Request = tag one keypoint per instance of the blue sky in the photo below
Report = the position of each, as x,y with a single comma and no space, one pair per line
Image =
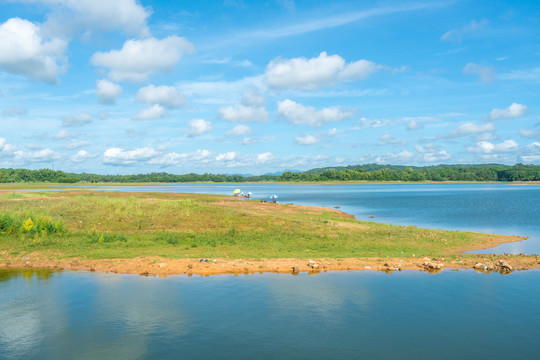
251,87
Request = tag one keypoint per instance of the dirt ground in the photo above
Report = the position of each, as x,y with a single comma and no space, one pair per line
155,266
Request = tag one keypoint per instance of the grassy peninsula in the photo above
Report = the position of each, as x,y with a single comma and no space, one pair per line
89,226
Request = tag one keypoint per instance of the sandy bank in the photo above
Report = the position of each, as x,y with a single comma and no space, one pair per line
162,267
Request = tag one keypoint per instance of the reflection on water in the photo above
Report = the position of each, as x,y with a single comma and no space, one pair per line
403,315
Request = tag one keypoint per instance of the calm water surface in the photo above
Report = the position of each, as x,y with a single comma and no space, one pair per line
334,315
492,208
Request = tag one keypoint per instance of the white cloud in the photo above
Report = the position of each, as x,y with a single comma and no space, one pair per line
388,139
199,126
395,158
486,147
486,74
64,134
107,91
168,159
307,139
76,119
242,113
264,157
513,111
239,130
155,111
119,156
45,155
228,156
138,59
124,15
531,153
75,144
81,156
250,109
456,35
167,96
364,122
472,128
6,149
533,134
297,113
314,73
24,50
413,125
431,153
248,141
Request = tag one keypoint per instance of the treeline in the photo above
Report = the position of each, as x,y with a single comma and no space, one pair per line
368,172
52,176
374,172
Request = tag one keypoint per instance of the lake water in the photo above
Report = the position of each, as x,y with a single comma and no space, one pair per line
334,315
491,208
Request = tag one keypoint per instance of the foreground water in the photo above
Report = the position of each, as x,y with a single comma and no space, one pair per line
491,208
334,315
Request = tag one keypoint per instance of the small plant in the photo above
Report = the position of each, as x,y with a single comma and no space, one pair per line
28,225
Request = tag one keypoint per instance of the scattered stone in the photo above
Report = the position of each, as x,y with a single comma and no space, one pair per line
162,265
295,270
479,266
489,266
4,252
503,267
426,259
433,265
27,264
190,266
26,257
92,269
145,273
367,267
312,264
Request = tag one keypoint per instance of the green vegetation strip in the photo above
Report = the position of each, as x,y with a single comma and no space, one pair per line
102,225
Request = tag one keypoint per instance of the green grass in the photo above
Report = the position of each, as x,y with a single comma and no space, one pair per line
127,225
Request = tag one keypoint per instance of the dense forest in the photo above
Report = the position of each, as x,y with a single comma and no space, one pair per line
368,172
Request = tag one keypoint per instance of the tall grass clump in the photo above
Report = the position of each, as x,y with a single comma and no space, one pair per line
30,225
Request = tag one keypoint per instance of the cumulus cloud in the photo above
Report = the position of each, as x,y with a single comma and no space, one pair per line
250,109
486,147
199,126
432,153
531,153
138,59
228,156
153,112
513,111
166,96
119,156
264,157
107,91
472,128
25,50
298,114
76,119
486,74
239,130
6,149
82,156
309,74
307,139
67,16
